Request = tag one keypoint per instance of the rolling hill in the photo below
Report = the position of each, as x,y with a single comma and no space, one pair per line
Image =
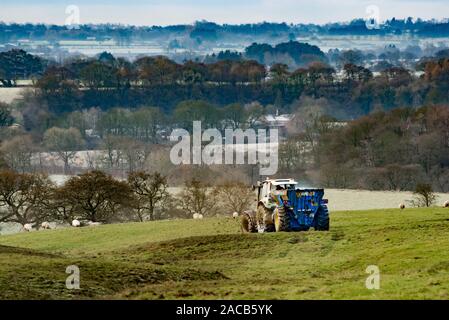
212,259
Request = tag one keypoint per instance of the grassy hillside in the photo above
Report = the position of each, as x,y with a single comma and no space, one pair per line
211,259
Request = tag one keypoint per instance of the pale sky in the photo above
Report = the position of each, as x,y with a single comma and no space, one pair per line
165,12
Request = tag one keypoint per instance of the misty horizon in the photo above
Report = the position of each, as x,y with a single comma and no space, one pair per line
442,20
182,12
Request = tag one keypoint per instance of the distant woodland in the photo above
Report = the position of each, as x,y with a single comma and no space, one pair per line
359,120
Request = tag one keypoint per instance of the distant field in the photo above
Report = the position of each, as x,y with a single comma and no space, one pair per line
7,95
211,259
369,200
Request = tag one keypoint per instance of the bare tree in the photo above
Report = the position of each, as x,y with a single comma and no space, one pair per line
65,142
197,198
18,152
150,191
113,156
124,153
235,196
133,152
424,195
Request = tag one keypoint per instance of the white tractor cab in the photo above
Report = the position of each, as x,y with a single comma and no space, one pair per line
283,206
268,188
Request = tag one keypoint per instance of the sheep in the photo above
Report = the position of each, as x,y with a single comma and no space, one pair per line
196,216
27,227
200,217
235,215
45,226
446,204
76,223
402,206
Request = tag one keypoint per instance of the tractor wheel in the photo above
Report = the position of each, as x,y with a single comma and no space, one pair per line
249,224
281,220
322,219
264,220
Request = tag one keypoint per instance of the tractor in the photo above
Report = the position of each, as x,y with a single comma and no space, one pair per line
283,207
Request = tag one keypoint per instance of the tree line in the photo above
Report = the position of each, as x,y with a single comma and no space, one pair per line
161,82
395,150
98,197
125,34
107,82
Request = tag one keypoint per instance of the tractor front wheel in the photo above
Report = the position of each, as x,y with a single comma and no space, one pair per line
281,220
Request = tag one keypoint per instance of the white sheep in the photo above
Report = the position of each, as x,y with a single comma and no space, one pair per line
446,204
235,215
200,217
402,206
76,223
27,227
196,216
45,226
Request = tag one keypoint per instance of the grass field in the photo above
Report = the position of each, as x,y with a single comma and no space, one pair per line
211,259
